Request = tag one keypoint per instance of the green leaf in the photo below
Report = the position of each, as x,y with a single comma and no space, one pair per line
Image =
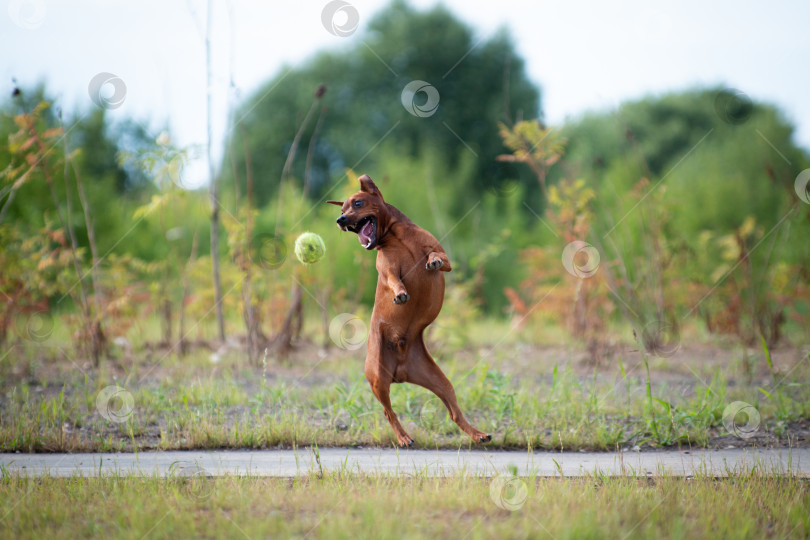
767,352
666,404
158,201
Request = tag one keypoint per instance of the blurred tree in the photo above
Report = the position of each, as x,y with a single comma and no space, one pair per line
680,174
652,137
479,83
98,142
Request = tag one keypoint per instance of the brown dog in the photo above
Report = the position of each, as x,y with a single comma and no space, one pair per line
410,293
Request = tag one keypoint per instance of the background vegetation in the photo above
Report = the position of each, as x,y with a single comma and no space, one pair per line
670,220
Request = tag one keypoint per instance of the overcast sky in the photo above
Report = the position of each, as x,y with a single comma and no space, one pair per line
584,55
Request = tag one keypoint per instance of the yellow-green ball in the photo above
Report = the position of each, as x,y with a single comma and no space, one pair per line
309,248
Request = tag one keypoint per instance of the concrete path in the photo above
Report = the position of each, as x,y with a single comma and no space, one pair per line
288,463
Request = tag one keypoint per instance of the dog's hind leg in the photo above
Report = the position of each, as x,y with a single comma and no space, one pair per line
380,372
381,390
422,370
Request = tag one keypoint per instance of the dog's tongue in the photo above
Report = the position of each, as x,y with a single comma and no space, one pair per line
365,233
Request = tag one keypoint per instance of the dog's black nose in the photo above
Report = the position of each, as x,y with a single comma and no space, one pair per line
342,220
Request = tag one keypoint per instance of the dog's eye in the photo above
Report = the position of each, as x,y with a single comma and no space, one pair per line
358,204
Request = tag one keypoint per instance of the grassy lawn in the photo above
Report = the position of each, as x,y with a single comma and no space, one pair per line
385,507
526,394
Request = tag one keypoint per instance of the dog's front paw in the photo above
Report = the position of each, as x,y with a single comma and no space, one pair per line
401,298
435,264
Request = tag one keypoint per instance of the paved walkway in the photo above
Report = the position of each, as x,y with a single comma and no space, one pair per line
288,463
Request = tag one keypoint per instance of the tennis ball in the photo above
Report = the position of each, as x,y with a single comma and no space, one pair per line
309,248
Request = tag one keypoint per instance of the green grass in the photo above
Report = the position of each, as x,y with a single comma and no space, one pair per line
49,405
339,506
526,395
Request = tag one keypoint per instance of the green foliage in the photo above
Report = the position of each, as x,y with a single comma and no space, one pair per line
680,180
480,83
534,145
723,169
91,142
691,206
34,268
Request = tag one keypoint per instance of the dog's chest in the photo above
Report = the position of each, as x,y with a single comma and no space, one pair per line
409,266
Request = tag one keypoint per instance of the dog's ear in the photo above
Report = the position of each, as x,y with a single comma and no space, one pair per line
336,203
367,185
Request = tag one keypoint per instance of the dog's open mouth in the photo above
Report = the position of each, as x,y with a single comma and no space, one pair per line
366,230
